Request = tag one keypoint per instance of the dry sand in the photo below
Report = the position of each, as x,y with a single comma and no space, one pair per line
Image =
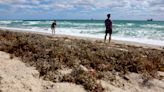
15,76
134,84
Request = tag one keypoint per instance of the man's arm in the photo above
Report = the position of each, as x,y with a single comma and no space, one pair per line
105,23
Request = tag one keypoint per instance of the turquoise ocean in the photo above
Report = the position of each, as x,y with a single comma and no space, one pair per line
149,32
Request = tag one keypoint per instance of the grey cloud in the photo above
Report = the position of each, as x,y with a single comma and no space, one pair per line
159,3
12,1
88,5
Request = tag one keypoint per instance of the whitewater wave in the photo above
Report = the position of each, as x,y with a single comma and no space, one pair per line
5,22
152,26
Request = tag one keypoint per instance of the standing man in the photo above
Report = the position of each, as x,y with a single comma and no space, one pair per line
108,25
53,25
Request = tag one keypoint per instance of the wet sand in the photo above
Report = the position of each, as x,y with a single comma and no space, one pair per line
137,44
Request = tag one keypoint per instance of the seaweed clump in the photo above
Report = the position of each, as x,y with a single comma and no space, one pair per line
81,77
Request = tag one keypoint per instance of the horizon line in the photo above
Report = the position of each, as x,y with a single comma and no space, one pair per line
76,19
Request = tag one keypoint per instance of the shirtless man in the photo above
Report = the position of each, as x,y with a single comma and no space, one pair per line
108,25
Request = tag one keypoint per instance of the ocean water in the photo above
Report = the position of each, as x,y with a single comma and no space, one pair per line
149,32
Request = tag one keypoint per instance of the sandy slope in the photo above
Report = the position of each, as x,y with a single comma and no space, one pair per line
16,77
134,84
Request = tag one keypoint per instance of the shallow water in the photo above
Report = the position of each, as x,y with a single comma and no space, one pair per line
150,32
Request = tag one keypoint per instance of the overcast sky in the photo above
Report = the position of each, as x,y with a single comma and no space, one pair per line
82,9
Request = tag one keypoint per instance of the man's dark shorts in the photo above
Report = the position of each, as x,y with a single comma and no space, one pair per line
108,31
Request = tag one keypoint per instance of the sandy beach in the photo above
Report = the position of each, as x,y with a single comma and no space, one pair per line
41,62
82,46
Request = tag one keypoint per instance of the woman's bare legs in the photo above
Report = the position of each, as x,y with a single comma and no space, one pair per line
53,30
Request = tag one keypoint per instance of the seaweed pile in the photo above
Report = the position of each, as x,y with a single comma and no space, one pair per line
50,54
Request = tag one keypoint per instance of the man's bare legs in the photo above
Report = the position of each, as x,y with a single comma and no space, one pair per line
110,37
106,36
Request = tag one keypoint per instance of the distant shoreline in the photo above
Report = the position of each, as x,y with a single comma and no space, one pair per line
137,44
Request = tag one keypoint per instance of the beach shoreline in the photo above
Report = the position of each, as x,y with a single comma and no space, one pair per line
137,44
130,31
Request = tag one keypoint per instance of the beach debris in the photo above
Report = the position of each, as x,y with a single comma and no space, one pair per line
161,68
125,77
